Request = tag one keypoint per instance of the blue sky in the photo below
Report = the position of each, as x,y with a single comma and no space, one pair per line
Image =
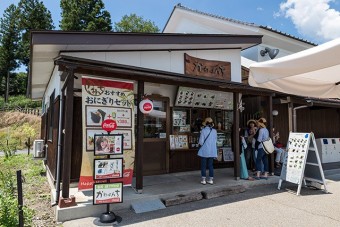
314,20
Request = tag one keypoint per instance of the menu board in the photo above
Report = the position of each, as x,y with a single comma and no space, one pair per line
302,162
295,159
179,142
195,97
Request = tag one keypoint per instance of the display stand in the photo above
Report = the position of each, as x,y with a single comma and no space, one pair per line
107,193
302,164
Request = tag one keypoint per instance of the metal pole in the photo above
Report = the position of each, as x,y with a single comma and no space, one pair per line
294,116
28,145
20,200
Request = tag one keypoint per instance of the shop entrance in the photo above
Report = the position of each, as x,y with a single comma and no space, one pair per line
156,131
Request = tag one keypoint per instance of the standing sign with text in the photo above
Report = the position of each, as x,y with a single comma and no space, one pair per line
107,193
108,106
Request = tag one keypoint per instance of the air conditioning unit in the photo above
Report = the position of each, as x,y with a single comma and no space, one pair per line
38,146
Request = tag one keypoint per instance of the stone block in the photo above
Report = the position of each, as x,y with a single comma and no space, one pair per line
182,198
222,191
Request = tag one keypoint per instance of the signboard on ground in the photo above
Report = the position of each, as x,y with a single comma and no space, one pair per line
302,162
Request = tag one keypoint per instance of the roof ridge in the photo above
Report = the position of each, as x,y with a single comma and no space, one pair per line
179,5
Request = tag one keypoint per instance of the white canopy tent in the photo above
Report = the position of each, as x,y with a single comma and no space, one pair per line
314,72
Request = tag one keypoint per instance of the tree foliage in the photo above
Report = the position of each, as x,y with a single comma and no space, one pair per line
33,15
134,23
17,84
9,38
84,15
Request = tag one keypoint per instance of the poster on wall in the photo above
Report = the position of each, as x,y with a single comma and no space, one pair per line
179,142
108,144
179,118
104,99
107,193
90,132
96,114
108,168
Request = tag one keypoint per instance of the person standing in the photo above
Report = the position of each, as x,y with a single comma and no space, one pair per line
263,135
250,149
208,150
244,171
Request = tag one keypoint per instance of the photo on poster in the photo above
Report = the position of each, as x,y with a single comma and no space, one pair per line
108,168
96,114
127,140
107,193
108,144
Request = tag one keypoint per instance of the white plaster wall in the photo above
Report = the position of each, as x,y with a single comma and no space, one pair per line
170,61
54,84
161,89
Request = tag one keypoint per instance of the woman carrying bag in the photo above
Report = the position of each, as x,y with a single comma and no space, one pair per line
263,135
208,150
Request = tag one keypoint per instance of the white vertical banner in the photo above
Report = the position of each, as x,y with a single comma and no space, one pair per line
106,99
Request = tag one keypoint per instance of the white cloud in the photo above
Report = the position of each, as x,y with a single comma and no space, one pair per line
259,9
314,19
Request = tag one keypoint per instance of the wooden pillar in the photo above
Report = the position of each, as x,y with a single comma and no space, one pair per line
290,116
236,136
140,137
68,126
270,128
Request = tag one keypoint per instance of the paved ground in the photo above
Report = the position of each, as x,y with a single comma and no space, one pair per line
262,205
25,151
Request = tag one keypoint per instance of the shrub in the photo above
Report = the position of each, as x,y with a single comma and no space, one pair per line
8,194
19,101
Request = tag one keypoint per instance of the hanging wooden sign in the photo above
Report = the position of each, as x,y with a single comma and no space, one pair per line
212,69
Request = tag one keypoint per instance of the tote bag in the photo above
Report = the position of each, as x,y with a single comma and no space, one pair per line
268,146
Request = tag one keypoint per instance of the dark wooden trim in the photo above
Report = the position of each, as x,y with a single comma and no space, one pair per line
66,171
140,137
236,137
115,38
93,67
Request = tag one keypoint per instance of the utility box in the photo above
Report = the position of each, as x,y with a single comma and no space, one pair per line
38,147
329,149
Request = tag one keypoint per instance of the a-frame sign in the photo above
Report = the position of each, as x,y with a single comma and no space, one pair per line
302,163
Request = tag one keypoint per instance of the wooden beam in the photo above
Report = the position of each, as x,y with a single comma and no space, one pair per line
236,137
140,137
290,116
68,125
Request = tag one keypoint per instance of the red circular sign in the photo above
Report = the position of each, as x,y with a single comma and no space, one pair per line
109,125
147,107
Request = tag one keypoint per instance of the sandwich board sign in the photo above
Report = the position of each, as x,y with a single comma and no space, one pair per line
302,163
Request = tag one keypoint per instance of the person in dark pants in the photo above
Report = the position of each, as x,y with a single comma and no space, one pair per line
250,149
263,135
208,150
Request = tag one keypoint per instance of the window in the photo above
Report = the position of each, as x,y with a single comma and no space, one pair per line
50,116
155,122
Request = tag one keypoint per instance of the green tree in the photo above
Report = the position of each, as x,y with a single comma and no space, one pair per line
17,85
134,23
84,15
33,15
9,37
